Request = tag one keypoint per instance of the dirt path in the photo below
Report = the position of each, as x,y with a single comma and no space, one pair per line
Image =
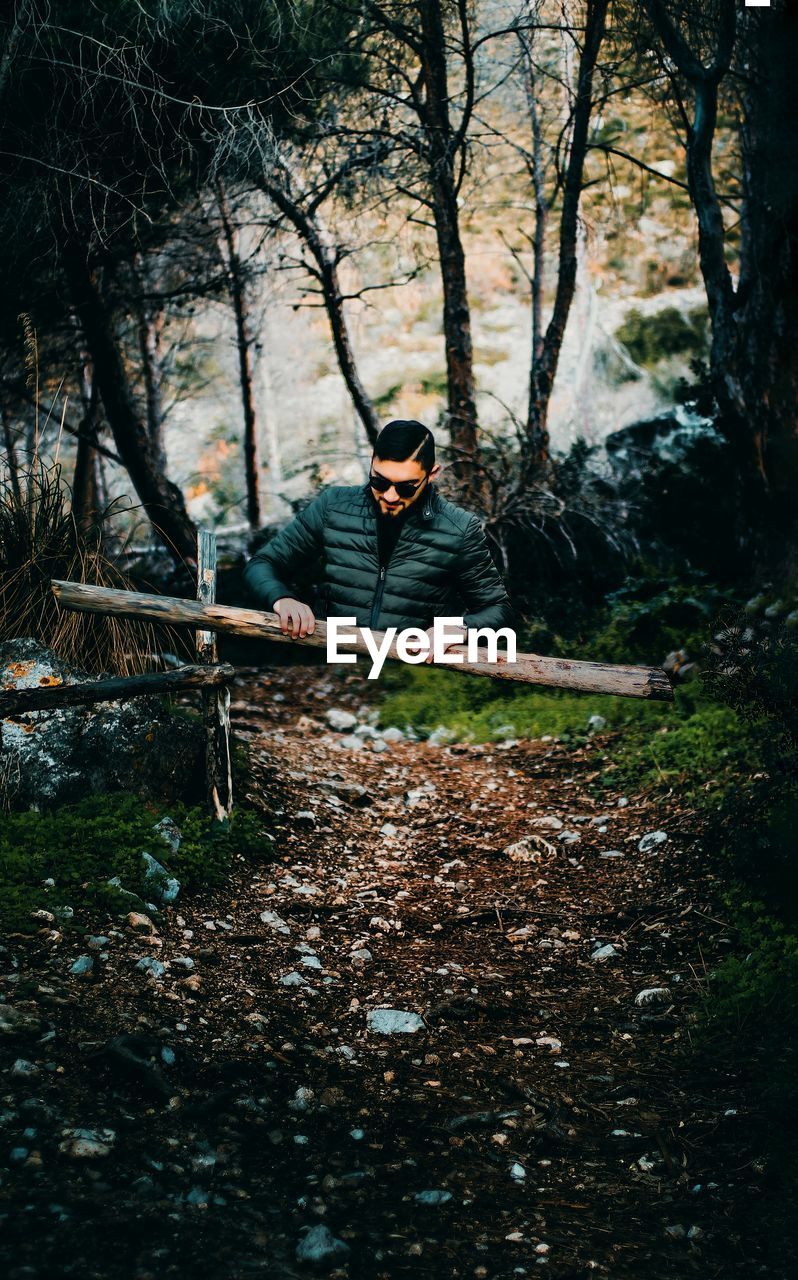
537,1118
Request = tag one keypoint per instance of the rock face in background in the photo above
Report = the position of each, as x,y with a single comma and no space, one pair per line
53,757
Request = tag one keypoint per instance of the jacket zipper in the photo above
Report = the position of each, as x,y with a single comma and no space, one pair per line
380,588
377,601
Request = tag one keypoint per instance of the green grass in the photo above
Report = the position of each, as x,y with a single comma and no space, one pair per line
478,710
82,846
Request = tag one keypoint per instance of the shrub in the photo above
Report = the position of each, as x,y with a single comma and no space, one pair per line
39,540
664,333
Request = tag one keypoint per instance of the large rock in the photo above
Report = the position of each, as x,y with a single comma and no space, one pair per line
53,757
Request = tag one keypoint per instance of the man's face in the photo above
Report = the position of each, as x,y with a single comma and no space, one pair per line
391,502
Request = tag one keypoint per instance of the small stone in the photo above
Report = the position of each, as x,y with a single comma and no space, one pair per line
392,734
183,962
551,1043
293,979
138,921
87,1144
169,832
379,922
517,1172
340,720
389,1022
653,995
305,818
82,966
311,962
163,886
388,829
24,1070
595,724
351,742
302,1099
275,922
320,1247
604,953
148,964
432,1197
675,1231
652,840
441,736
14,1022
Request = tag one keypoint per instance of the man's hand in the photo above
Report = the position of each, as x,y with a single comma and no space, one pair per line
295,617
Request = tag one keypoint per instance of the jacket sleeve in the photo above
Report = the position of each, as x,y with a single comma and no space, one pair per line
269,573
486,601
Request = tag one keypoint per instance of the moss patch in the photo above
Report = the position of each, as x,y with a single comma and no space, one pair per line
81,846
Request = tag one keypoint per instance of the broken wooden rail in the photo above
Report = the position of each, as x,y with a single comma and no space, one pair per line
529,668
48,697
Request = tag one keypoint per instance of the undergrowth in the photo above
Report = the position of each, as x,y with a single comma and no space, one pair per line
80,847
726,749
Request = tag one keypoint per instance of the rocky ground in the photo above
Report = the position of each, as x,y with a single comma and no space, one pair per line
445,1033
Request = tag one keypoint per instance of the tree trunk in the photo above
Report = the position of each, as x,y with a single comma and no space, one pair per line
766,311
313,233
754,352
162,500
442,147
85,479
547,356
150,351
11,455
244,340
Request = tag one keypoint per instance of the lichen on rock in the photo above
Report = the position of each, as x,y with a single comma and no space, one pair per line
49,758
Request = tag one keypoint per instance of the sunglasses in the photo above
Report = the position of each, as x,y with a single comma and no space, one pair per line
404,488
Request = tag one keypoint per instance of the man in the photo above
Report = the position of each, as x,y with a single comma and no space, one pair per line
396,553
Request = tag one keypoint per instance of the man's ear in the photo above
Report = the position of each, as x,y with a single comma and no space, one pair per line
435,471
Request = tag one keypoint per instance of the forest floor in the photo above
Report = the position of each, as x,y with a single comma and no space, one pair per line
536,1116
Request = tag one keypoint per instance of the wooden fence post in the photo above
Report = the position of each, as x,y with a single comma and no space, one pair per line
215,702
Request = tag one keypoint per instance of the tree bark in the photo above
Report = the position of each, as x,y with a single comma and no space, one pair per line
17,702
754,351
11,455
312,232
150,352
244,341
85,479
547,355
442,146
162,500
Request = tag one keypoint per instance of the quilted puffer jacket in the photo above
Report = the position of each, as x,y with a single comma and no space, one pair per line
440,566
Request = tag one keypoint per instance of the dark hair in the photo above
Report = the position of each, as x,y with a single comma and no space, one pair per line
401,440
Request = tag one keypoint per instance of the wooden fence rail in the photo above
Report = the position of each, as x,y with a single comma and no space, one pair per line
49,697
529,668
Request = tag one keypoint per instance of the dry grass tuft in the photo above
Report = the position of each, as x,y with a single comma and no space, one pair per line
39,540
